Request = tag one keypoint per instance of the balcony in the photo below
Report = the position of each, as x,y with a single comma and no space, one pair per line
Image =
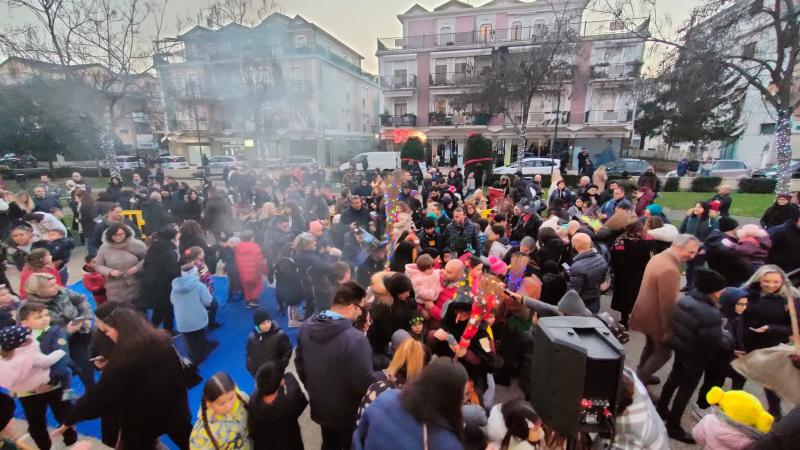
472,119
398,82
451,79
542,118
605,71
520,35
609,116
405,120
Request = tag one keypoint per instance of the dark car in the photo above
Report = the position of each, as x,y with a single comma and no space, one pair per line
771,171
633,167
18,161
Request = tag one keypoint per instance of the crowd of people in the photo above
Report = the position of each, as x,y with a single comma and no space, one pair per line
414,299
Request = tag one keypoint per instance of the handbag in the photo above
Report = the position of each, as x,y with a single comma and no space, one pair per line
190,374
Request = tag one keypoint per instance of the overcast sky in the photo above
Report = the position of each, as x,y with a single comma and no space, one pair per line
358,23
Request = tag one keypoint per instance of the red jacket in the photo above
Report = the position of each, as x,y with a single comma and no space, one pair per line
95,283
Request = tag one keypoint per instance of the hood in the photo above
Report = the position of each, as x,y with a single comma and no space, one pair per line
667,233
44,301
727,300
186,282
378,287
322,328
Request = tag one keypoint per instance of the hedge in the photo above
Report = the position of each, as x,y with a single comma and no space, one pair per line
673,184
56,172
757,185
705,184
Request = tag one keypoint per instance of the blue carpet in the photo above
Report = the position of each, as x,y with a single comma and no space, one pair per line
237,323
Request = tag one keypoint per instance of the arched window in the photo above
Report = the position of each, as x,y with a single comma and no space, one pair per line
446,36
300,41
516,31
539,27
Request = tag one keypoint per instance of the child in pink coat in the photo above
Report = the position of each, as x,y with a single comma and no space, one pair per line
754,244
425,279
23,366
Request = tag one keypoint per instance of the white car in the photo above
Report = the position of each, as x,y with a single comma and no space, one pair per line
217,164
530,167
125,162
173,162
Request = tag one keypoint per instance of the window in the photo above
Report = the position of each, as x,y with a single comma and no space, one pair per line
179,83
612,53
749,50
300,41
440,105
446,36
767,128
516,31
538,27
485,31
440,74
400,78
142,128
400,108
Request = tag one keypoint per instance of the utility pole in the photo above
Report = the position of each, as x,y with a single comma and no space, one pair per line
558,119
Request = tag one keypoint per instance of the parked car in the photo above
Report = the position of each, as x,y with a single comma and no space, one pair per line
374,160
216,164
724,168
18,161
300,160
173,162
530,167
772,170
126,162
634,167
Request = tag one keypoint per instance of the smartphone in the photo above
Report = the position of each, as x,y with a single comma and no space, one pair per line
451,340
78,320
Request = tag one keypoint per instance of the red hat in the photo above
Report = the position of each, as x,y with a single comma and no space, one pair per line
714,205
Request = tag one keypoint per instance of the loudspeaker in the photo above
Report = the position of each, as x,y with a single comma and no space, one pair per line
576,375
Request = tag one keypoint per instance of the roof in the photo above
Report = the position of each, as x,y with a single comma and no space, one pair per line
194,30
44,65
300,20
452,3
416,7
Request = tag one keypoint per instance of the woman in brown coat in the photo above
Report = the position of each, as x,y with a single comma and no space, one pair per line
658,294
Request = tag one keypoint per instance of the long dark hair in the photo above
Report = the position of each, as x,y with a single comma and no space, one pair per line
706,209
436,396
517,414
216,386
137,340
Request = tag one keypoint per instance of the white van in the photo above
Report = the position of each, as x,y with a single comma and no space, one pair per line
375,160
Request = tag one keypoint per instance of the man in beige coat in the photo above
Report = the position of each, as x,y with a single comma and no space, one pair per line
658,294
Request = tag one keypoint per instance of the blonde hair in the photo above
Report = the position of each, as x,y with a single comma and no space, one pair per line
755,280
408,360
750,230
38,282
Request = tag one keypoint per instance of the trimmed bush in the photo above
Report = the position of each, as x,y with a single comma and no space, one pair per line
705,184
478,148
757,185
414,149
673,184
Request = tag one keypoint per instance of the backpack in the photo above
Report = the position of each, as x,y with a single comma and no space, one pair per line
289,282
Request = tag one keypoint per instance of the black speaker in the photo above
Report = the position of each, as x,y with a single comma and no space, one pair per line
576,375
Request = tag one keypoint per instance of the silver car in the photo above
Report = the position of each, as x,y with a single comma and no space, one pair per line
730,168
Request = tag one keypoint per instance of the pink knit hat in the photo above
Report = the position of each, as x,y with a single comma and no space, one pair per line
497,265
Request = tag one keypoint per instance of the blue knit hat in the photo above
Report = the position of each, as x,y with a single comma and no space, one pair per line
13,337
655,209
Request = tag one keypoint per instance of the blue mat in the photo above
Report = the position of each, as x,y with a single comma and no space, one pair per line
237,323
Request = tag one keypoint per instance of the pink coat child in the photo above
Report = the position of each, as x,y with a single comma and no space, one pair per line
23,366
425,279
753,245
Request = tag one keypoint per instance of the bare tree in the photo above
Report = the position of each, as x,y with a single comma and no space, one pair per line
759,40
509,85
219,13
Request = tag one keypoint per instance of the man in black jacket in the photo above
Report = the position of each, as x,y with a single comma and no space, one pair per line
462,235
588,271
785,246
721,257
267,343
698,339
334,361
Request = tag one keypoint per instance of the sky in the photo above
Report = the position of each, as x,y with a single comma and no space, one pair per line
358,23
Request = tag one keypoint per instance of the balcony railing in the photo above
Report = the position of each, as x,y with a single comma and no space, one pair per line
441,79
530,34
616,71
398,82
541,118
608,116
458,119
405,120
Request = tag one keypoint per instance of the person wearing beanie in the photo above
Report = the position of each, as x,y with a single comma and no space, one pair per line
390,314
700,344
417,328
782,211
497,266
274,408
736,424
267,343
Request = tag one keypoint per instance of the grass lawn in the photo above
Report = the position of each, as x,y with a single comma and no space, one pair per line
744,205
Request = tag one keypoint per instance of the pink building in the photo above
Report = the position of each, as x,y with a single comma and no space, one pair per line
422,71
